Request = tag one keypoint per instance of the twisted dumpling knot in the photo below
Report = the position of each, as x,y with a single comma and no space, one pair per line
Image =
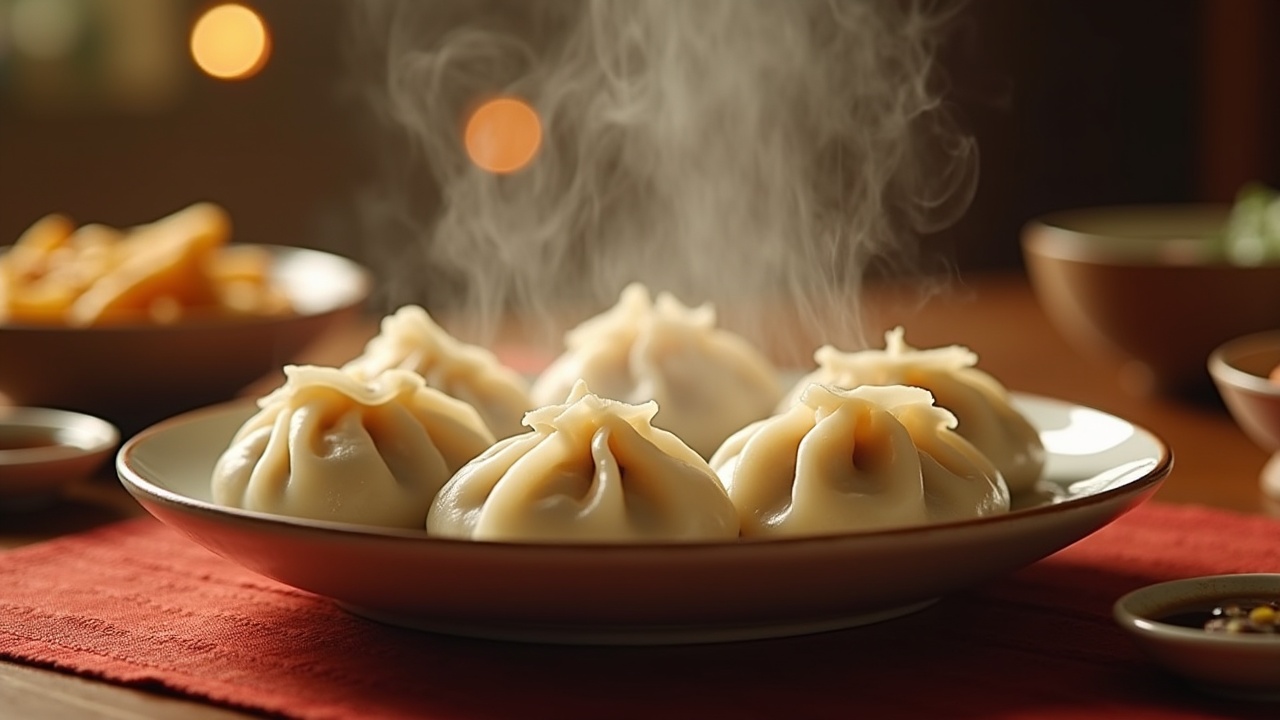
707,381
982,407
330,445
844,460
591,470
410,339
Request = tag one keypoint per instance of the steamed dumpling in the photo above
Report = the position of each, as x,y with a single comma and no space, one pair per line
409,339
592,470
980,403
707,381
842,461
329,446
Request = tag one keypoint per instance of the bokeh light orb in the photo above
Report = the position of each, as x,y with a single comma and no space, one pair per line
230,42
503,135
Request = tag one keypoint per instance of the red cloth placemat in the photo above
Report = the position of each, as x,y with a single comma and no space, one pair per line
137,604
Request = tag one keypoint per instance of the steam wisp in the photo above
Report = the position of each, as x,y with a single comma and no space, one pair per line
730,151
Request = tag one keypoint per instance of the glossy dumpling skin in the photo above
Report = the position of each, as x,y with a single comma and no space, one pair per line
410,339
982,406
329,446
707,381
590,470
841,461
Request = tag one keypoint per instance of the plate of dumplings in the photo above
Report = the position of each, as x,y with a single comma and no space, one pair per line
659,482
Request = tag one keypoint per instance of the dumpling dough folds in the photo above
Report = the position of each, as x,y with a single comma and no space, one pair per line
982,406
592,470
844,461
707,382
411,340
329,446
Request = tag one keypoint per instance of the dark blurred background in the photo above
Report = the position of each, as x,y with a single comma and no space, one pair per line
104,115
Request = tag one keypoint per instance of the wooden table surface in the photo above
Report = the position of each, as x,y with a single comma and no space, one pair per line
996,316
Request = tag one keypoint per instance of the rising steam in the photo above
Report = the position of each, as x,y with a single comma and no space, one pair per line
726,150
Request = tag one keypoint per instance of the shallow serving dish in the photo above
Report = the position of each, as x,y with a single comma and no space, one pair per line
1099,467
134,375
43,450
1240,666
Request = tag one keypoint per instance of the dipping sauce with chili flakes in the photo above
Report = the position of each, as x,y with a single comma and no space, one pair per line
1241,616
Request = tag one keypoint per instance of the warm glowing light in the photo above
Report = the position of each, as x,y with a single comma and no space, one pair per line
230,42
503,135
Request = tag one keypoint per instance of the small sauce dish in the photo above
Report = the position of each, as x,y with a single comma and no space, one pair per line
43,450
1167,622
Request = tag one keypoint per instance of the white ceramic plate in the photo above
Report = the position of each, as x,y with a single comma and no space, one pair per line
1099,467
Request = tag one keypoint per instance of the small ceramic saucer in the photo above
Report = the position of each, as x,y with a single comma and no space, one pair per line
1167,621
44,450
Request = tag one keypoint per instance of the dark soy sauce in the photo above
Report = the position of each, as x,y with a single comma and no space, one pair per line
1198,615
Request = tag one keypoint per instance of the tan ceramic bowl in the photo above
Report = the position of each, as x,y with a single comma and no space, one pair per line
1136,287
1240,369
136,374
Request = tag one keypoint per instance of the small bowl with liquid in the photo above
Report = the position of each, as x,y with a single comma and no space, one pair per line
43,450
1168,621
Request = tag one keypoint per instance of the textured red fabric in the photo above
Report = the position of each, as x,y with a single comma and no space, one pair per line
137,604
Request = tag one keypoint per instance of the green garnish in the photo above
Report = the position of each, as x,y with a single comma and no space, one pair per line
1252,233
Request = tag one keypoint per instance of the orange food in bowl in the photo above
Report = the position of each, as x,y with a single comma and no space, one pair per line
173,269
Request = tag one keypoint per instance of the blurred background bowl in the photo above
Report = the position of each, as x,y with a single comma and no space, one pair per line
1241,368
1143,288
134,375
